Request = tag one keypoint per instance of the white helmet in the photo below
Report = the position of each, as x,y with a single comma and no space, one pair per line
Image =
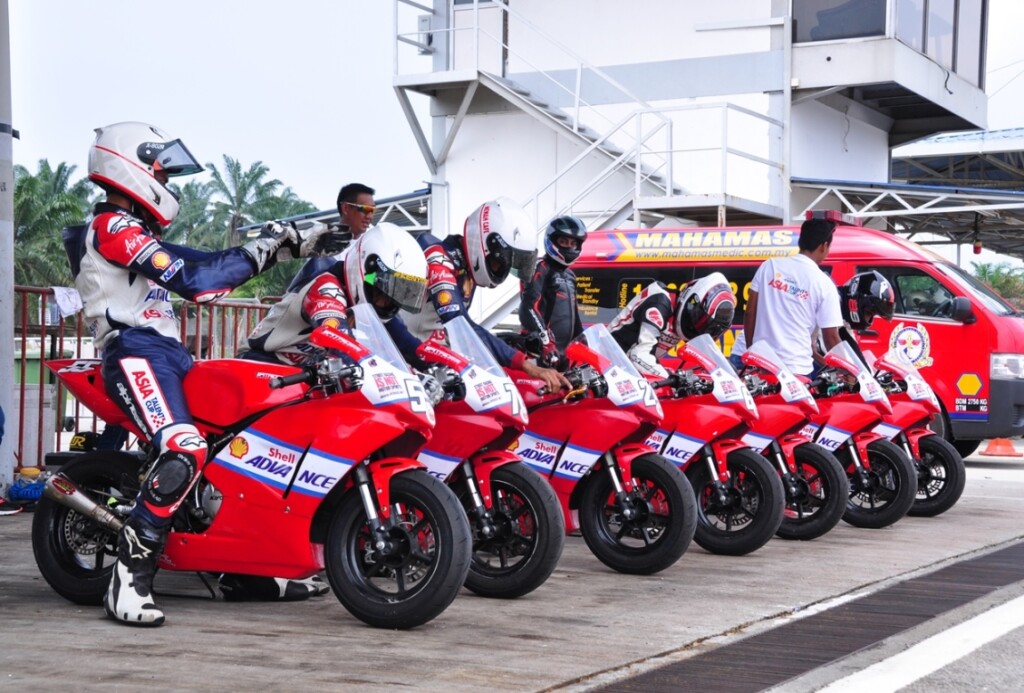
124,158
705,306
499,238
386,268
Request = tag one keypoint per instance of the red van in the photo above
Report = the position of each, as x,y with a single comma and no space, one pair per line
967,341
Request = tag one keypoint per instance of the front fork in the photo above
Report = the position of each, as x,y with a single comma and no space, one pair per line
373,482
477,471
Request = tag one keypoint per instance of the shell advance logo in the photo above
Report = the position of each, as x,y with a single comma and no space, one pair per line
695,244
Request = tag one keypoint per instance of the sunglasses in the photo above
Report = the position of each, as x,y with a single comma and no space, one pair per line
363,209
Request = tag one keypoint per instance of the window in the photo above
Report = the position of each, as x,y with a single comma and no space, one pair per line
917,294
826,20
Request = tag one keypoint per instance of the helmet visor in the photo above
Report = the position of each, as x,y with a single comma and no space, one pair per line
524,262
407,290
174,158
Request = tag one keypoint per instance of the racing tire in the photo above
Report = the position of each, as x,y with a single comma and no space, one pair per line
821,492
743,516
941,476
424,566
887,493
662,528
74,553
529,536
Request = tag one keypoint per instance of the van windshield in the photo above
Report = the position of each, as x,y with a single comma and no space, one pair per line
989,298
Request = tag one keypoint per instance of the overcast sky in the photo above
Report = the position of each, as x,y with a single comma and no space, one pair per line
304,86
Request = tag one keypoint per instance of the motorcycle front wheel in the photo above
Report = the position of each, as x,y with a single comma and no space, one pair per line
647,531
75,554
818,501
740,516
885,491
422,564
940,477
527,533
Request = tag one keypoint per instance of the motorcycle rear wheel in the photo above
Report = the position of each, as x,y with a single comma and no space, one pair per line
529,538
662,529
75,554
940,477
752,511
425,566
821,497
888,492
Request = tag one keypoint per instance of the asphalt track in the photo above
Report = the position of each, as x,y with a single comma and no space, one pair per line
796,616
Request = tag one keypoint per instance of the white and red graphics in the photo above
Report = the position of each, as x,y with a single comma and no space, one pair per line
542,454
147,393
282,465
679,448
438,465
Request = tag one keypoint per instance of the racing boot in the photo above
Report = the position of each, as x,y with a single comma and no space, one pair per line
256,588
130,595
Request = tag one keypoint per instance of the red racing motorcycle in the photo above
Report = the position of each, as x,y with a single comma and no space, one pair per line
941,475
814,481
708,410
308,469
883,482
518,531
635,509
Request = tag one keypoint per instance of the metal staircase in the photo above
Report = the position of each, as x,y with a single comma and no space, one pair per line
462,64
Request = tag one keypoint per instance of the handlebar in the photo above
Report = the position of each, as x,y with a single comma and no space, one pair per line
277,382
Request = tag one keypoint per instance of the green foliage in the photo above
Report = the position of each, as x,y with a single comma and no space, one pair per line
1003,278
210,215
44,203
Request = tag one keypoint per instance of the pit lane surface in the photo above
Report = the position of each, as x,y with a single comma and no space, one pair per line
586,628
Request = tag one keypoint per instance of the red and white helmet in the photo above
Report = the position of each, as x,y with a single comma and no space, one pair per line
386,268
705,306
499,238
125,157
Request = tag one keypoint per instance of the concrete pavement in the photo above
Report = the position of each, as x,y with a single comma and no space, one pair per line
585,627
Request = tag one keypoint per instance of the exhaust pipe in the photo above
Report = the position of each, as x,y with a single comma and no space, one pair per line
61,489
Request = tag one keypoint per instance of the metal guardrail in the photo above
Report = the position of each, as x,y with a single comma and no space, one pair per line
45,413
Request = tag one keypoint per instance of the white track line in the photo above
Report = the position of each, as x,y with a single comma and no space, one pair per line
932,654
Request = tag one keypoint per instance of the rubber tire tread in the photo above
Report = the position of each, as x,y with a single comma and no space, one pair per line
670,547
550,529
77,584
450,565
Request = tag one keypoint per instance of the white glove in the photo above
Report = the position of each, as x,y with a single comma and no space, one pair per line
303,237
265,248
645,362
433,388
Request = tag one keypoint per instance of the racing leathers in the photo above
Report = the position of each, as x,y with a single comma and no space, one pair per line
126,277
643,328
548,308
451,288
315,297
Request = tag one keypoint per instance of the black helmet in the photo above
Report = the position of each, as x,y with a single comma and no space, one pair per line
863,297
564,227
705,306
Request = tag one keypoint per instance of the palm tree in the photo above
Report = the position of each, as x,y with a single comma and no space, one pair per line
194,224
246,196
1004,279
44,203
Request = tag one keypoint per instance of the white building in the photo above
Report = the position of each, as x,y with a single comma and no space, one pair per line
676,112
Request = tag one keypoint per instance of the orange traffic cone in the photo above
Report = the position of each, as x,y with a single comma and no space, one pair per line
1001,447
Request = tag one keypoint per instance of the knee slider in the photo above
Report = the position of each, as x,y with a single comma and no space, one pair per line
178,465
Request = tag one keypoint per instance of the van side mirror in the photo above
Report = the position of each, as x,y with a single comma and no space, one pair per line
962,311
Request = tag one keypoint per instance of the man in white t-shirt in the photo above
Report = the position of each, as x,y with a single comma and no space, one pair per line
792,297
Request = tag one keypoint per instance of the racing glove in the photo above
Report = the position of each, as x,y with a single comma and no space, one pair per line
283,241
435,393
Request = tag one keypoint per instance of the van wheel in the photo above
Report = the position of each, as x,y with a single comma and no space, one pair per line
966,447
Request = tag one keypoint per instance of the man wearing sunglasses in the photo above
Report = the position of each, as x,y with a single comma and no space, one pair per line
356,207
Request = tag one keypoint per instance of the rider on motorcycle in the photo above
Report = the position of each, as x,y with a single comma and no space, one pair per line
656,319
126,274
497,238
384,266
861,298
548,307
